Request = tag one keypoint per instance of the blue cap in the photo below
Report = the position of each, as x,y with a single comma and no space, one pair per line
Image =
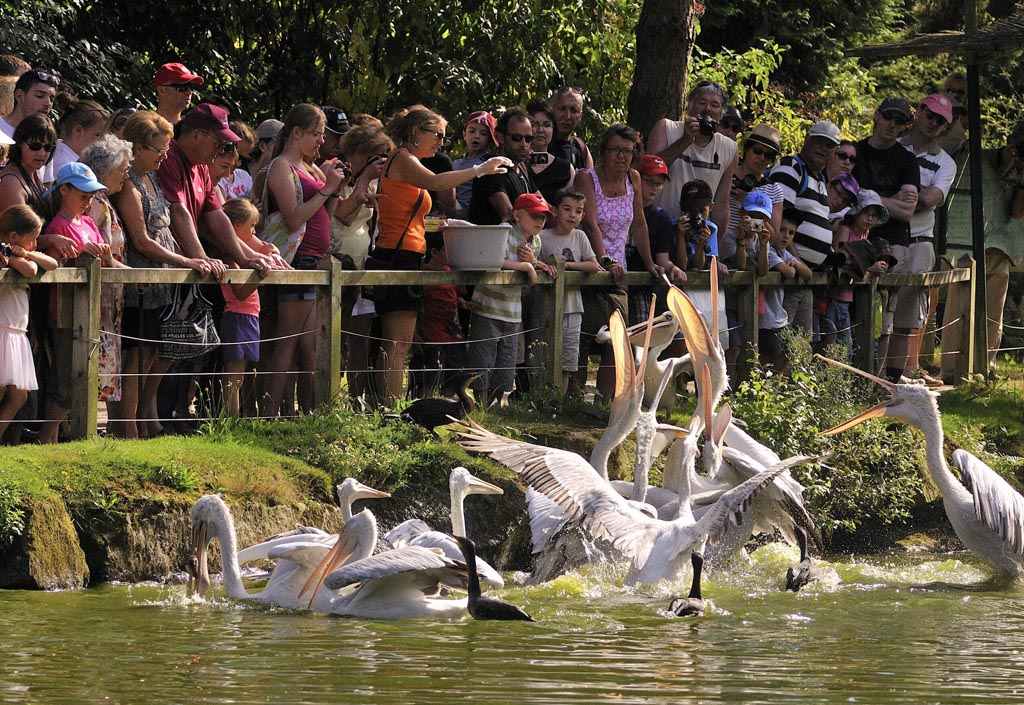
80,176
758,202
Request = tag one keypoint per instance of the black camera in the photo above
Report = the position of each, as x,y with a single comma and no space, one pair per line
707,125
747,183
6,250
696,221
539,157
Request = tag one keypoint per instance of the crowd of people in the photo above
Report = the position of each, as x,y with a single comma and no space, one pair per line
193,186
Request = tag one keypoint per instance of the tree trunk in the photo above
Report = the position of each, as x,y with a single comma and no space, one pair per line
664,37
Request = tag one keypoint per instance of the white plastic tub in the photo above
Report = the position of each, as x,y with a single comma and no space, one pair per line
476,247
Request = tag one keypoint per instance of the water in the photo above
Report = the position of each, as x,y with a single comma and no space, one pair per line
908,629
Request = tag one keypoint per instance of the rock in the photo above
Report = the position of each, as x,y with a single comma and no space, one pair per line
47,556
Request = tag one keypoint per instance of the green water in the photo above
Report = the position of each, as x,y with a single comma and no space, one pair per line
910,629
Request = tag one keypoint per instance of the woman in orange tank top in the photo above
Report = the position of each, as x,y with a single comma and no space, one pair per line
420,133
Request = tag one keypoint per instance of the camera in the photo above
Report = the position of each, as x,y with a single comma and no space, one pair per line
696,221
539,157
747,183
707,125
6,250
756,225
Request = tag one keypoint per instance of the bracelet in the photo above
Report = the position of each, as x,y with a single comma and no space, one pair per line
325,195
476,170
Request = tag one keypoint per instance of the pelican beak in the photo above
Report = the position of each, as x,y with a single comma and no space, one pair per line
877,411
366,492
884,383
625,365
336,557
478,486
663,327
699,341
198,571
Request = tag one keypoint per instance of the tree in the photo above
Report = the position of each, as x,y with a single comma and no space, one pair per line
664,40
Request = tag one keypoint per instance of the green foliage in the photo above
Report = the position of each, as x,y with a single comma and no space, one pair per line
12,516
872,476
175,475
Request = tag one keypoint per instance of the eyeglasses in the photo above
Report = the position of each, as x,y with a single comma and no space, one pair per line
898,118
654,184
44,77
846,157
180,87
519,138
126,112
761,152
37,146
156,150
221,146
619,151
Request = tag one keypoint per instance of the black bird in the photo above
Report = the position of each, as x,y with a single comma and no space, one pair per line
486,607
803,572
693,604
439,411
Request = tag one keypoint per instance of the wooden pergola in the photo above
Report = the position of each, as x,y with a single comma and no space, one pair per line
977,45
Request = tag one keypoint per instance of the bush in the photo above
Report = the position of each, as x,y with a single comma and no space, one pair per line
12,516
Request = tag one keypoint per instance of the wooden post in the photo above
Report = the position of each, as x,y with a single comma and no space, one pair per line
85,330
327,384
863,320
747,297
557,334
967,357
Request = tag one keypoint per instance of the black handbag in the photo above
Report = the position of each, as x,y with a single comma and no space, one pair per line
186,326
377,260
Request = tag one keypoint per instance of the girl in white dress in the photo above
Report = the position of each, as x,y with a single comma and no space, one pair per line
19,228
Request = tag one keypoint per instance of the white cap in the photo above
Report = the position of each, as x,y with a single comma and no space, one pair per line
826,129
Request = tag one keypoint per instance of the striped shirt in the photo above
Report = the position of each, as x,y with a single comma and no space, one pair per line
813,238
505,302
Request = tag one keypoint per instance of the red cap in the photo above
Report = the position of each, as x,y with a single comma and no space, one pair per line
175,73
482,117
532,203
652,165
213,119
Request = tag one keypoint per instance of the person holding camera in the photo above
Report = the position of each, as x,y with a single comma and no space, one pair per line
760,150
550,173
697,235
694,149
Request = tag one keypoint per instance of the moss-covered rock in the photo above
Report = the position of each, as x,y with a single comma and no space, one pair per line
47,555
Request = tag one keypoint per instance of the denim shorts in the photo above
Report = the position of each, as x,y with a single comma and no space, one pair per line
299,292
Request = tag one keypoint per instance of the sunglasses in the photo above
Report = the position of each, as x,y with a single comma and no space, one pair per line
898,118
439,135
37,146
761,152
518,138
156,150
846,157
731,125
180,87
126,112
45,77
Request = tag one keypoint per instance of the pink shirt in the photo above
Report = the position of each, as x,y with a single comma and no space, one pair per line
232,304
83,231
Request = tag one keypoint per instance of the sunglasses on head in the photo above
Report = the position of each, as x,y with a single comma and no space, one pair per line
45,77
567,90
893,116
762,152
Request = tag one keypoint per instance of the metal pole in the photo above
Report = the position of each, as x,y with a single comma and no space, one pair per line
977,215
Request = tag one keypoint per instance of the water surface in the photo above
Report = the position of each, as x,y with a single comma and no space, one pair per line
909,629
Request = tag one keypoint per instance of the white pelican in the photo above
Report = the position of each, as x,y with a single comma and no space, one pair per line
399,584
657,548
211,519
481,607
663,330
414,532
985,511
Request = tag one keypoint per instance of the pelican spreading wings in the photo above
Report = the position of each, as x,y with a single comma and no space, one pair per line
987,513
657,548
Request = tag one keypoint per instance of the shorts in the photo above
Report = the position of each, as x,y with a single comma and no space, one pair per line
388,299
908,305
769,341
150,326
571,323
240,336
299,292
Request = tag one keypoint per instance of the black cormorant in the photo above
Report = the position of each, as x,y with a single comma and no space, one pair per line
486,607
693,604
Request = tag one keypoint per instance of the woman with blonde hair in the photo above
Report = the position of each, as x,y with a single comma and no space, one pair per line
401,229
80,124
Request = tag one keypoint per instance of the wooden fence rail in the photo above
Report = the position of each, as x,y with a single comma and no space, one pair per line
79,309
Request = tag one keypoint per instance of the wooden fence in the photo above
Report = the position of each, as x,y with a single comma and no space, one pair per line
79,309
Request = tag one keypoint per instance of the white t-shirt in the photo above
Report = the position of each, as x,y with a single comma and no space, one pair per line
574,247
707,163
937,170
238,187
61,156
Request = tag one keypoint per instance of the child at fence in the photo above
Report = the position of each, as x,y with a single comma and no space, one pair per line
565,242
478,133
866,212
72,196
697,236
774,255
442,349
19,228
240,325
497,312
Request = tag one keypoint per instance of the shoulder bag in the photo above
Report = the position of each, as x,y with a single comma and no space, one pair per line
275,231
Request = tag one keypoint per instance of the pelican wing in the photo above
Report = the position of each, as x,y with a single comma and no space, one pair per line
996,502
430,563
264,549
406,532
305,553
736,437
447,544
732,505
570,482
546,518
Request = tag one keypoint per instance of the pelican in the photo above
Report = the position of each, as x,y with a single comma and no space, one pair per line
211,519
486,607
415,532
803,572
987,514
663,330
399,584
693,604
657,548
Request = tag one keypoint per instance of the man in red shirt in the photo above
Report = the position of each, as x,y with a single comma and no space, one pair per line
197,221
